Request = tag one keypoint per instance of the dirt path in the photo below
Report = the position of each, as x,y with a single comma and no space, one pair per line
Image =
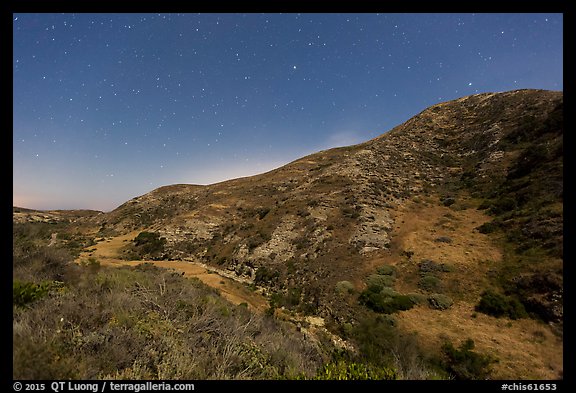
107,251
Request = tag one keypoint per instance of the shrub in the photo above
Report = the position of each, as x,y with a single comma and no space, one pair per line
439,301
465,364
385,302
387,270
379,281
417,298
24,293
149,243
448,201
430,283
487,227
503,205
344,287
343,370
265,275
497,305
428,266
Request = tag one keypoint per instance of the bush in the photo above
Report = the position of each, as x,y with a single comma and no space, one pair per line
386,301
439,301
24,293
417,298
344,287
497,305
487,227
379,342
430,283
378,281
503,205
149,243
428,266
465,364
265,275
387,270
448,201
348,371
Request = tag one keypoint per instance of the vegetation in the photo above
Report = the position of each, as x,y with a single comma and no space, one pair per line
385,300
24,293
149,244
142,323
497,305
349,371
464,363
381,345
440,301
430,283
265,275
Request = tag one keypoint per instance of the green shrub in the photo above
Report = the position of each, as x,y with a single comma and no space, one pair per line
417,298
487,227
24,293
265,275
387,270
439,301
503,205
149,243
430,283
344,287
379,281
465,364
497,305
385,302
343,370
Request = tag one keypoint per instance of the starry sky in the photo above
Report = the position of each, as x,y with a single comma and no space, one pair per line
107,107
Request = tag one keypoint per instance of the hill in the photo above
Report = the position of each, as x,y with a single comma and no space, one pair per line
448,226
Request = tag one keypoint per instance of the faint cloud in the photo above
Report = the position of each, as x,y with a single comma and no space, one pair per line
232,170
343,138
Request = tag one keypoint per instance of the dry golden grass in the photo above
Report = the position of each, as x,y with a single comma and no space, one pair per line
106,252
526,349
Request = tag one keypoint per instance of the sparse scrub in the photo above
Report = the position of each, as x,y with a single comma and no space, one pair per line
145,323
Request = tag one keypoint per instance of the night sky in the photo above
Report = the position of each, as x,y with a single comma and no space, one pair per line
107,107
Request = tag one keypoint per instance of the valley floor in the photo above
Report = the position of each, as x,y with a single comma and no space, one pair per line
106,253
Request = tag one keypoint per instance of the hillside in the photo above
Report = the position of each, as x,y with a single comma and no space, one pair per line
458,207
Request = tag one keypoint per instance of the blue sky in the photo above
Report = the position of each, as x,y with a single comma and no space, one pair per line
110,106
